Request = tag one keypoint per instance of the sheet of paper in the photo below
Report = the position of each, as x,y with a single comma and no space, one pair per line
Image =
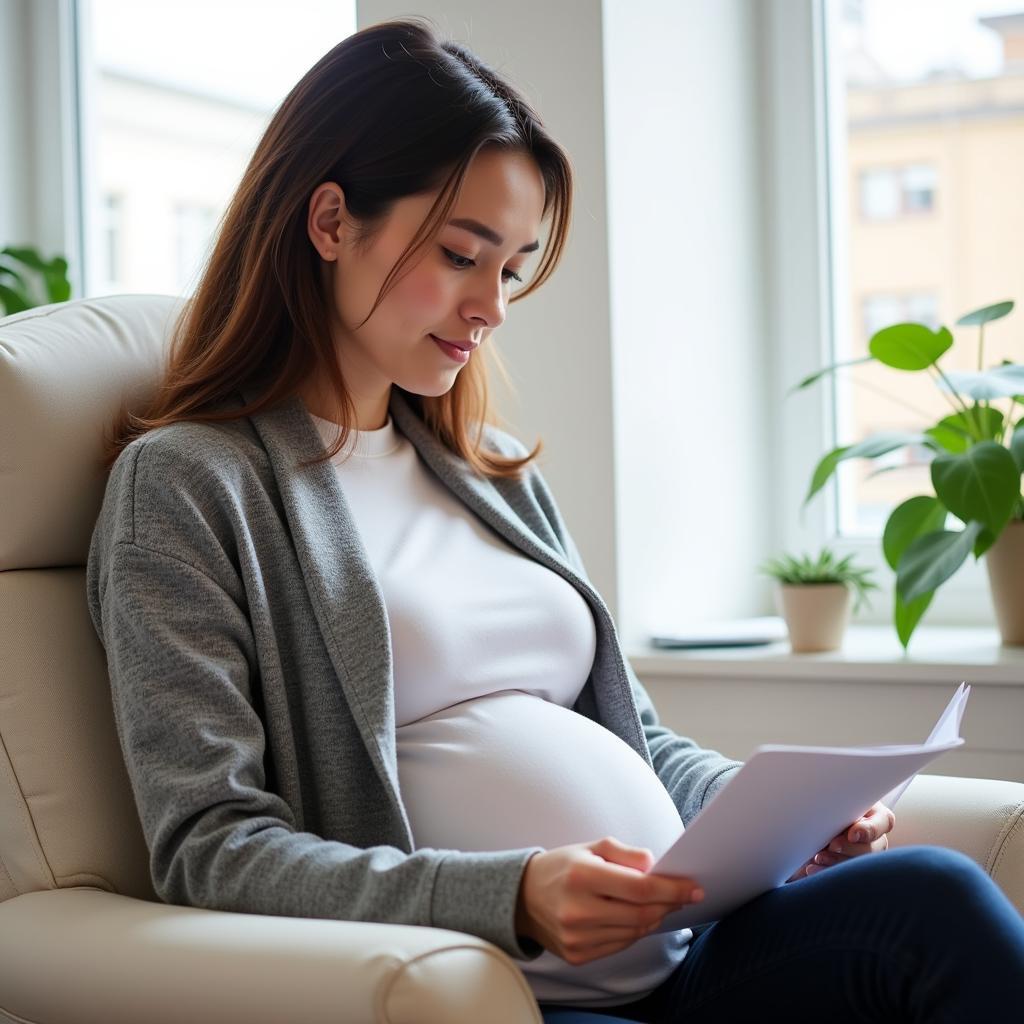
947,727
784,805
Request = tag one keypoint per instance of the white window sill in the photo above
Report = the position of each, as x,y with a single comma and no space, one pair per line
936,655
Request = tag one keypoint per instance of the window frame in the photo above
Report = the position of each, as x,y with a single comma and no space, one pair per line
808,307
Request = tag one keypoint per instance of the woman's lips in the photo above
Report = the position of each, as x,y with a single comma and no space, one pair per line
452,351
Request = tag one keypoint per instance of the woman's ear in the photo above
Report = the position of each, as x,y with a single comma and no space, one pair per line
326,223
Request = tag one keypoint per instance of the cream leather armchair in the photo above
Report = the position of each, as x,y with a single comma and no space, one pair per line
82,935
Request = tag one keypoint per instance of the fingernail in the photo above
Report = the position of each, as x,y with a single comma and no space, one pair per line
697,895
858,836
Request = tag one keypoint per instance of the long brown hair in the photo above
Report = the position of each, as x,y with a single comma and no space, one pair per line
391,111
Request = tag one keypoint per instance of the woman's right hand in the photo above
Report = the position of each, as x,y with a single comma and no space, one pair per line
589,900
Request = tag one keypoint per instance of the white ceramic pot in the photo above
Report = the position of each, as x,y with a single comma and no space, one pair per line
816,614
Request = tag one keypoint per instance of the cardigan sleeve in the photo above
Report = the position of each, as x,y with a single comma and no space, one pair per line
183,671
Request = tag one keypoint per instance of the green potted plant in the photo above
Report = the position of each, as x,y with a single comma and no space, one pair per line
27,280
976,457
813,596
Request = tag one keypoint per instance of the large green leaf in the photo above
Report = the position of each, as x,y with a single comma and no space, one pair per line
27,256
1017,445
982,483
985,539
12,301
58,288
984,385
932,559
808,381
985,315
956,432
19,281
907,522
909,346
869,448
950,438
907,616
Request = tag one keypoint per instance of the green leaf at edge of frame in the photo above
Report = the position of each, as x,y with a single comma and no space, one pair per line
12,301
26,255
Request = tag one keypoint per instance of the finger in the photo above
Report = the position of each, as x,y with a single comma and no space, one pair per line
875,822
826,859
607,879
843,847
606,912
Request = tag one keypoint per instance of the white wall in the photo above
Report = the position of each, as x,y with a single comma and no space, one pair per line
689,340
556,343
641,361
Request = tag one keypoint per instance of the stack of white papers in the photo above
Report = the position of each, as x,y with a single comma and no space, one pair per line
784,805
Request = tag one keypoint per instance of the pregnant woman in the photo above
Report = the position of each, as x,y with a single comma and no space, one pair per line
358,669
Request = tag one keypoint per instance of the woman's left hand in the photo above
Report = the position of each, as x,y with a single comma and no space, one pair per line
868,834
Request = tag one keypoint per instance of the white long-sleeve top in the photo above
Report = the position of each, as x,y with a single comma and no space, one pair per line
490,652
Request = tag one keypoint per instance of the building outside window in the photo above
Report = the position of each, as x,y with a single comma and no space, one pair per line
931,138
166,140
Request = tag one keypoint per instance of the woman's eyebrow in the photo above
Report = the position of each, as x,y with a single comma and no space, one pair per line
486,233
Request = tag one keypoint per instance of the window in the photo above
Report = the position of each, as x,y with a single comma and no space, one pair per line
853,86
880,194
193,231
925,104
166,140
111,230
891,192
918,183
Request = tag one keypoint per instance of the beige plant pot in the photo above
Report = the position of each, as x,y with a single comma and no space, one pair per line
1005,562
816,614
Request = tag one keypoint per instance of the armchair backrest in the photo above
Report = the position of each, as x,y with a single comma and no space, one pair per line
67,815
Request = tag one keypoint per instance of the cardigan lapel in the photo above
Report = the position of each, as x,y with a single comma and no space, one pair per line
483,497
342,586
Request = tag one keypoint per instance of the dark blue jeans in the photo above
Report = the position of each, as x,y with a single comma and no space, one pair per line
919,933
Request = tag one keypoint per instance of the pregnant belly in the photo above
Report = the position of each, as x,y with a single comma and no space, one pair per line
510,770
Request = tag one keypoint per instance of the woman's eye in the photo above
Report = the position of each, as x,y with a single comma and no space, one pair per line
454,257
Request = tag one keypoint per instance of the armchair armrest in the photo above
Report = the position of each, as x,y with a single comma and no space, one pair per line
82,954
983,818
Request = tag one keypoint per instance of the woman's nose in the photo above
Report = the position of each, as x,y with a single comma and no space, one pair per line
487,306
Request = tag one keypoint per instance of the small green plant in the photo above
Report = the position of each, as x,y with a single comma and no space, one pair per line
823,569
976,457
27,280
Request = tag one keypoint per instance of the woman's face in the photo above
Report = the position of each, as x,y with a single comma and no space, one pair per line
457,289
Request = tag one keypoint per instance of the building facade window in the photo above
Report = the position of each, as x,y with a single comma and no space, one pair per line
111,230
890,192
